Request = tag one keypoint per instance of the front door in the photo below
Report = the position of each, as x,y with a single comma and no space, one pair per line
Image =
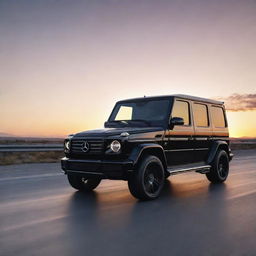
179,141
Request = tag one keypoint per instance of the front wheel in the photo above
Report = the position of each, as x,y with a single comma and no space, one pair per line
220,168
147,181
82,184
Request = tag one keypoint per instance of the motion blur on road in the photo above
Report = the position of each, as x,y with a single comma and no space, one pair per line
40,214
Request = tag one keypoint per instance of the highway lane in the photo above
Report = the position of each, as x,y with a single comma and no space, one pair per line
40,214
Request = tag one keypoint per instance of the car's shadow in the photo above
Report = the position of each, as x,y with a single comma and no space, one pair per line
109,221
189,192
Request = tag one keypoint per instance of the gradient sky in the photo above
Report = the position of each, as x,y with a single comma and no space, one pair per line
63,64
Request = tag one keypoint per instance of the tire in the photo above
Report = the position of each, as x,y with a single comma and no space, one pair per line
147,181
220,168
82,184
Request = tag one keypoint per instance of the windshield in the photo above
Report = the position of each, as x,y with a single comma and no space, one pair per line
139,113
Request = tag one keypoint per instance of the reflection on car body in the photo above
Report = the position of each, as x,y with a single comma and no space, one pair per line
145,140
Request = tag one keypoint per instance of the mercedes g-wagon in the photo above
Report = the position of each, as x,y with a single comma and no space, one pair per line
145,140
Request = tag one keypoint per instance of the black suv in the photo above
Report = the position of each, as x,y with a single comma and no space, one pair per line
145,140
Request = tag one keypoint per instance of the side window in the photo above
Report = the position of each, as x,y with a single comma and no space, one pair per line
200,115
181,109
218,117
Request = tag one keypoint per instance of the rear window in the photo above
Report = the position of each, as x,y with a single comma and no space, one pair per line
200,115
218,117
181,109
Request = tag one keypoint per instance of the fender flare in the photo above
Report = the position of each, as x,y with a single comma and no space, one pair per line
215,147
139,150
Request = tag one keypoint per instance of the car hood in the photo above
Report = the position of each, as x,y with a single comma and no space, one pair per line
105,132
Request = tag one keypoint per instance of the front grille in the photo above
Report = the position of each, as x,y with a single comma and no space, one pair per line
96,146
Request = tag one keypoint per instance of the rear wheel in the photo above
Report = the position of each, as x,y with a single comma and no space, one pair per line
220,168
147,181
83,184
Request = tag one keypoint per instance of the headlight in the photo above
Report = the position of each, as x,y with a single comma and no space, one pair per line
67,144
115,146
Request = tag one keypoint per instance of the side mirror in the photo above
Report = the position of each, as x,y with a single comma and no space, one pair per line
176,121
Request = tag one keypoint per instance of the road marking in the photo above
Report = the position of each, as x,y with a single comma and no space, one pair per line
239,172
31,177
34,222
243,158
242,194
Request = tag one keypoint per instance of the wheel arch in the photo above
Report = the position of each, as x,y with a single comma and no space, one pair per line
217,145
148,149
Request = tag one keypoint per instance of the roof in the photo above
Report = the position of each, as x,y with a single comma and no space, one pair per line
184,96
181,96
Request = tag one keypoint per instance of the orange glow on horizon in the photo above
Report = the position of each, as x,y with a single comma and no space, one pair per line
63,65
241,124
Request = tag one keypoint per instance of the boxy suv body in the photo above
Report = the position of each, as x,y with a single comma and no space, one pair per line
145,140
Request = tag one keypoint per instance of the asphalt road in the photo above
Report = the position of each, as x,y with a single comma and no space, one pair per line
40,214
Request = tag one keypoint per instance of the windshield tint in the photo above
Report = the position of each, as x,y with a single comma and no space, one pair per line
147,112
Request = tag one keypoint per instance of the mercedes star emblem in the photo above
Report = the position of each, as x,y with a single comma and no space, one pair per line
85,146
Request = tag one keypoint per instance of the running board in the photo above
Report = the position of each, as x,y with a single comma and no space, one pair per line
201,169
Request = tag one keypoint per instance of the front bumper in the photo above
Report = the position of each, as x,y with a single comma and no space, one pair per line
100,168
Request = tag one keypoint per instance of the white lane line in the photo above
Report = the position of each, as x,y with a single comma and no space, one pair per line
34,222
243,158
48,198
31,177
240,172
233,186
243,194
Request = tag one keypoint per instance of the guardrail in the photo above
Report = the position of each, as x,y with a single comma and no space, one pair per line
31,148
59,147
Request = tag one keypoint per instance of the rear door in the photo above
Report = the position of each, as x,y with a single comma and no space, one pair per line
179,149
203,131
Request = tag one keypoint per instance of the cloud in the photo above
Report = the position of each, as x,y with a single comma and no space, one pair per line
239,102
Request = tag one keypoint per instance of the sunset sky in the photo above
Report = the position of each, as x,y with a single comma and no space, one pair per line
63,64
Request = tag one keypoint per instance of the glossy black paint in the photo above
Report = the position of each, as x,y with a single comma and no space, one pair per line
172,149
179,149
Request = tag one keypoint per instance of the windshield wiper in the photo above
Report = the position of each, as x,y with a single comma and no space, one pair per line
139,120
124,122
